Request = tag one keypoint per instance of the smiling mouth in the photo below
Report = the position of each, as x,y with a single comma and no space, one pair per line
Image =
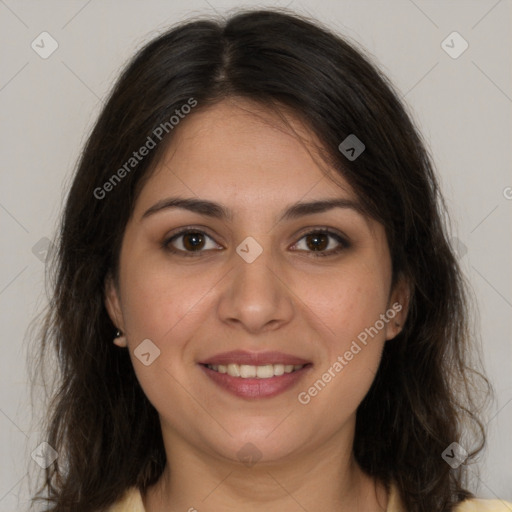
245,371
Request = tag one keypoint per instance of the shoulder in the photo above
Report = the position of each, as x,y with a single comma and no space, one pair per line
471,505
130,502
476,505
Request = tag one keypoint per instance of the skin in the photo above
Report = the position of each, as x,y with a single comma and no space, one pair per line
289,299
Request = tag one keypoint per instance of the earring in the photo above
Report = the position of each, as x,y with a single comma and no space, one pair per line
120,339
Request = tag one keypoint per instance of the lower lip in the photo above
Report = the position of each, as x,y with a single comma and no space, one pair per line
256,388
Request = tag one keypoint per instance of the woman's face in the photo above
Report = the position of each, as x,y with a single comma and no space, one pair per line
271,268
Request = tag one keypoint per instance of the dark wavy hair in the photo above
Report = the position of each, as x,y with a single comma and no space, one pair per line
424,396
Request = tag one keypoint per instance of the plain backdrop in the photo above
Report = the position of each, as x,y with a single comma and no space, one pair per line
48,105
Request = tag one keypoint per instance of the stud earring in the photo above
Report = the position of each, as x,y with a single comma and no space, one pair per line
120,339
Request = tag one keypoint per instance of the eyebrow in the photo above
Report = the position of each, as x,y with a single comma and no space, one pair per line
218,211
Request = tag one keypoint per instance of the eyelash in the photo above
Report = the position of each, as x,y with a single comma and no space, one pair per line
343,243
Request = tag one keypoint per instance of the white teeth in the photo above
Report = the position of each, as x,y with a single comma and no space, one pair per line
278,369
246,371
264,372
233,370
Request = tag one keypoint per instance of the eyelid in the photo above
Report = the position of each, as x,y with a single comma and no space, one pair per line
167,241
341,238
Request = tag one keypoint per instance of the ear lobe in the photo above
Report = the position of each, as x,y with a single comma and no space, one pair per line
120,341
398,308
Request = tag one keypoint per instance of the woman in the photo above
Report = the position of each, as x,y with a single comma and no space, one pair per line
256,226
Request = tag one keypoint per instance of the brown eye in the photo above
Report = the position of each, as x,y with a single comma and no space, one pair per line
190,242
193,241
317,241
322,242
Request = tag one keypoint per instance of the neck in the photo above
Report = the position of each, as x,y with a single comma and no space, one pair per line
327,479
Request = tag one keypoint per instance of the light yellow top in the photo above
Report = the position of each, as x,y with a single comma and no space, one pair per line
132,502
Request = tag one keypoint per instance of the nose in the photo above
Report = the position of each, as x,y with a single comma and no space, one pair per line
256,296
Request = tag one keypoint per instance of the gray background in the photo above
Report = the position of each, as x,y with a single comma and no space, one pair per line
462,106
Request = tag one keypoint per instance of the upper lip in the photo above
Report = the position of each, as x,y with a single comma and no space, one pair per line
253,358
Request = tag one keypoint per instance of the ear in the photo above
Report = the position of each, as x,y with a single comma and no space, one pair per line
398,306
113,306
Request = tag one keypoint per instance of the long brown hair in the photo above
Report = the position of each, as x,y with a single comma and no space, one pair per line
106,432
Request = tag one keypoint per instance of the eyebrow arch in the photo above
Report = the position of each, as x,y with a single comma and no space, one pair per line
217,211
201,206
300,209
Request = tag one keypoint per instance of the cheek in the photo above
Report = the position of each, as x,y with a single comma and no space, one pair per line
348,303
160,300
163,304
349,306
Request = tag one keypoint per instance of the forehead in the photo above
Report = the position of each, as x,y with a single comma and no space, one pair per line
244,153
